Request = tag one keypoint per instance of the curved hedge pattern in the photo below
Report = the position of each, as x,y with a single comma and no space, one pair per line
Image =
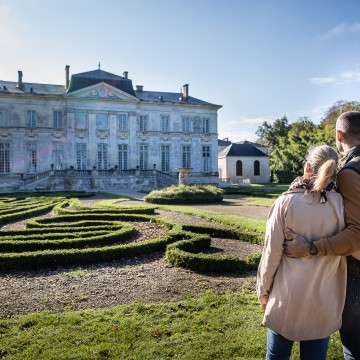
81,235
14,210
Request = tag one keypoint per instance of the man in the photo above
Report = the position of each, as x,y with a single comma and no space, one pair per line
346,242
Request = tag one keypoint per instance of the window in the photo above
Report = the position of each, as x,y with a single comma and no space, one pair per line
58,155
80,120
102,163
143,123
205,126
239,168
165,122
186,152
31,119
4,158
143,151
122,122
256,168
81,156
123,156
206,158
58,120
165,158
102,122
31,157
186,124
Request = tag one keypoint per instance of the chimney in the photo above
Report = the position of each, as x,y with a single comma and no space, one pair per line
67,76
125,74
186,91
20,83
139,87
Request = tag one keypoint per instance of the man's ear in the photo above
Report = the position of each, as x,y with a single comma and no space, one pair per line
338,135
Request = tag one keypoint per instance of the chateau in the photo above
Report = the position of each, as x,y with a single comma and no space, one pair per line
97,132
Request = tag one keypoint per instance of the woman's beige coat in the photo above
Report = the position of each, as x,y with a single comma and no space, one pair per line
305,296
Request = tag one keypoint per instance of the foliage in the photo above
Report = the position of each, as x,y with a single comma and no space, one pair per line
288,143
186,194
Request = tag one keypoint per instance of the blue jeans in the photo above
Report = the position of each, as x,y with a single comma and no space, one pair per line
279,348
350,329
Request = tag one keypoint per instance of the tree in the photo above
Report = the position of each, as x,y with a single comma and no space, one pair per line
326,129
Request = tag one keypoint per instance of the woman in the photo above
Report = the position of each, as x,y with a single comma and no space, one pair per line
303,298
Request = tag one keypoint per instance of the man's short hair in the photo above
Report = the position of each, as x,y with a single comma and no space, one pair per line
349,124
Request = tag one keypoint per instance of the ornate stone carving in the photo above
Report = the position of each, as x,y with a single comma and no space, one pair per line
102,134
81,133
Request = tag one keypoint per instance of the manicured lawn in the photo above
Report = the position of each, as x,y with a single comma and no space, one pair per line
212,327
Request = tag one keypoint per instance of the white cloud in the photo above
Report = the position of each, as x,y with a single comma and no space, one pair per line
342,78
351,75
322,80
250,121
342,29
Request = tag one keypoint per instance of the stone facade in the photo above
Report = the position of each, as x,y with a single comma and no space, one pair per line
243,164
97,121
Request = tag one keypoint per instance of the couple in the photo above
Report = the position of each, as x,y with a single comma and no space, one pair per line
303,293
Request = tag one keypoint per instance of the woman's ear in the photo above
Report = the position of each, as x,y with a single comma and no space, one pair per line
307,167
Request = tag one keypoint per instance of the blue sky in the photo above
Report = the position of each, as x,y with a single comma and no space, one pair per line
260,59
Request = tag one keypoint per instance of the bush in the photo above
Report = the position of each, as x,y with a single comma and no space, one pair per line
186,194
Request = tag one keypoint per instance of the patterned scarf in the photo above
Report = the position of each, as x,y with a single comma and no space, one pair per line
301,183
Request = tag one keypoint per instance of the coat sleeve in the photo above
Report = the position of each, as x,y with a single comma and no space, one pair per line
272,250
346,242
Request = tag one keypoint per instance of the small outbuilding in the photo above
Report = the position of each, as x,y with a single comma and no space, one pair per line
241,163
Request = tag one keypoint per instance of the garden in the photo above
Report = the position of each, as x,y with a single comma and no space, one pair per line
100,276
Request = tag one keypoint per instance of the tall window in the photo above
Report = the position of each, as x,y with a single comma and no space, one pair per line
239,168
57,154
31,118
31,157
81,156
186,153
165,158
102,122
80,120
143,123
165,123
186,124
57,120
4,158
206,158
122,122
256,168
102,163
123,156
205,126
143,151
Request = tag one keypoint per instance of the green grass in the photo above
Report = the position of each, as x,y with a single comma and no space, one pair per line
211,327
258,201
226,219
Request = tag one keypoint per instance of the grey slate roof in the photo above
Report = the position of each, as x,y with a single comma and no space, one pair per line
169,97
241,150
85,79
89,78
11,87
223,142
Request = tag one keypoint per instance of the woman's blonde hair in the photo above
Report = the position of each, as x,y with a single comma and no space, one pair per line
323,162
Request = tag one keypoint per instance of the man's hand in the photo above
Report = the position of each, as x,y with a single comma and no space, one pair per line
297,246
